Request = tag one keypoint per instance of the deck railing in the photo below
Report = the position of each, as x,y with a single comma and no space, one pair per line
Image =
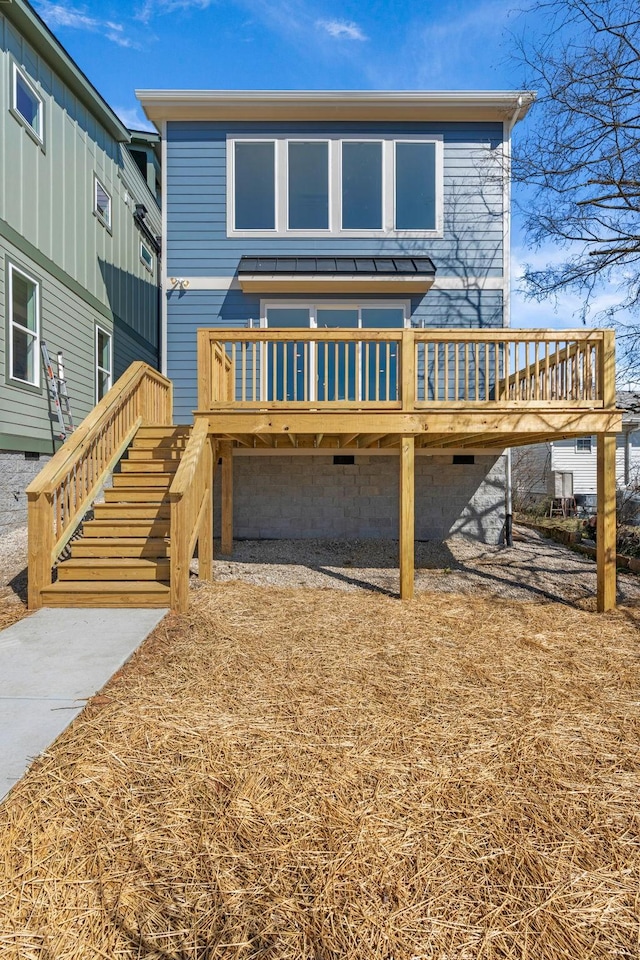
191,514
404,370
65,488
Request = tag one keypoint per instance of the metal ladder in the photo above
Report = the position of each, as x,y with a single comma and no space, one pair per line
58,393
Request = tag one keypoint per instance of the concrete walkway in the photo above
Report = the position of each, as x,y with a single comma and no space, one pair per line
50,664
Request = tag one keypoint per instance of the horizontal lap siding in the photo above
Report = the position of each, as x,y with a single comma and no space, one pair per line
191,309
197,244
67,324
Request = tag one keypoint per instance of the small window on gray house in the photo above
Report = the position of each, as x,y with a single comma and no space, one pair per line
146,256
27,104
103,363
583,444
102,203
415,186
255,191
308,185
24,325
362,185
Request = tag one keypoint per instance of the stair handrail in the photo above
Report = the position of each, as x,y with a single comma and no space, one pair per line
60,495
192,514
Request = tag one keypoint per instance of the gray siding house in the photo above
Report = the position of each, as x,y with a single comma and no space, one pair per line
343,210
79,251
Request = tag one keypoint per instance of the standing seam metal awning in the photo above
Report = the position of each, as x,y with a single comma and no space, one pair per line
337,274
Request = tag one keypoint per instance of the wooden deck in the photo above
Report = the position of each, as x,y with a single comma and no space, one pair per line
409,392
403,393
360,389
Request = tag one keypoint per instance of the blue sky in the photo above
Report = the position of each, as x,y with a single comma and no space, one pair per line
306,44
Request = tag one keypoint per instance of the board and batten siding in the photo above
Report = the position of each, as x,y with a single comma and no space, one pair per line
46,216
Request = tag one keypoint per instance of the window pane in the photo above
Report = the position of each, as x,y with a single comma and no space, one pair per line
24,305
308,186
103,203
337,361
380,364
287,362
255,186
24,355
383,317
415,186
103,383
104,353
361,186
27,104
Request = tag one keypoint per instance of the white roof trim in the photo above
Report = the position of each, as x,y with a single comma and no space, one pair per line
334,104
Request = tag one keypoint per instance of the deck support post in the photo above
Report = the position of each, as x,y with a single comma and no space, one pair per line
407,517
205,535
606,522
226,542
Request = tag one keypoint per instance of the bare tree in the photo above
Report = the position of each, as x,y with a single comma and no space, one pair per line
580,154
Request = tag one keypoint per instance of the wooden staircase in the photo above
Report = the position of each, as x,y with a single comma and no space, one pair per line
123,557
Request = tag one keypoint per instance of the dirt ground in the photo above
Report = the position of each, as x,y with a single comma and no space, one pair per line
534,568
307,774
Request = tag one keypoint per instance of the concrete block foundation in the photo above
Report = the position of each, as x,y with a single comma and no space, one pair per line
299,497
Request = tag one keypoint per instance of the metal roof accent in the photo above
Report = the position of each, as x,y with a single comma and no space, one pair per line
337,266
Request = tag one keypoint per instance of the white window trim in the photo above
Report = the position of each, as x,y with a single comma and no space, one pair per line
14,323
38,135
578,450
313,306
335,186
103,220
150,267
100,369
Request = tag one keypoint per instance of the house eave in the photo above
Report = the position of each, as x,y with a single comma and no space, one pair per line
340,283
38,34
350,105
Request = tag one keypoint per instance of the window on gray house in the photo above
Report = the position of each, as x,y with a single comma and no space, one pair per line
308,185
26,103
255,193
415,186
362,185
24,322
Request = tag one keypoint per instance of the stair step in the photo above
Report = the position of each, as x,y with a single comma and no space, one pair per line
147,495
113,568
142,479
167,455
126,528
107,593
120,547
132,511
163,432
145,467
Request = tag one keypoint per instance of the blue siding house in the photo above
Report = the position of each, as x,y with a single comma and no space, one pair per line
366,211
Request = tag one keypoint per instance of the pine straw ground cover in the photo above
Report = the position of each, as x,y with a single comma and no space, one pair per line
309,775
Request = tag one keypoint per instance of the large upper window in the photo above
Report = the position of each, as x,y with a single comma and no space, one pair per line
336,187
27,104
24,327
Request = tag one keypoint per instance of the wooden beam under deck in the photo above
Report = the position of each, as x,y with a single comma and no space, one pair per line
499,427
